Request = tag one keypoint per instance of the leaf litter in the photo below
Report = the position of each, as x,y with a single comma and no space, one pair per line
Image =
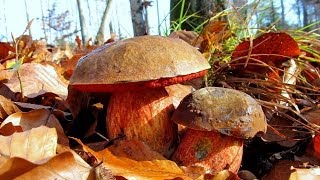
255,66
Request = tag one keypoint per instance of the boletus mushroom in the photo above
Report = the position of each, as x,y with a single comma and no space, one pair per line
217,120
135,71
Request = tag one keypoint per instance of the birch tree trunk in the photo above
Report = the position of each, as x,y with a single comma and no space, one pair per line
82,23
100,34
138,22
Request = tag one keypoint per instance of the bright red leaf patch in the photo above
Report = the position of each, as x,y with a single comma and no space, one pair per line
270,48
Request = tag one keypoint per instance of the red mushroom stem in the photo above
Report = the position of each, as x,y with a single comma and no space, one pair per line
143,115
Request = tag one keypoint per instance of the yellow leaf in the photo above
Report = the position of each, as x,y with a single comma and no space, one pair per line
36,118
35,145
7,107
62,166
132,169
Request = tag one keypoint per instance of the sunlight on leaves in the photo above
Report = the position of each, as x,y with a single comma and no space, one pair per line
35,145
36,118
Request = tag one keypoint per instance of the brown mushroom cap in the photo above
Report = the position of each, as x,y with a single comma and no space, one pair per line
228,111
145,61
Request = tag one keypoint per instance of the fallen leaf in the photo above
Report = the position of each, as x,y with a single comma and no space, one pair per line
224,174
135,150
35,145
38,79
5,48
270,48
312,116
132,169
4,75
286,169
41,52
212,34
63,166
8,129
7,93
15,167
177,92
37,118
7,108
285,135
70,64
304,173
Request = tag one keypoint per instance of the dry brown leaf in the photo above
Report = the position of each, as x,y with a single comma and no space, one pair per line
7,93
292,170
136,150
36,118
41,52
63,166
8,129
285,129
177,92
5,74
313,116
70,64
303,173
38,79
35,145
15,167
5,48
131,169
7,108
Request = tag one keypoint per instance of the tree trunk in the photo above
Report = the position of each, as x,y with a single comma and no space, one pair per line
298,12
27,15
305,13
138,22
283,23
100,35
43,23
82,23
189,14
273,13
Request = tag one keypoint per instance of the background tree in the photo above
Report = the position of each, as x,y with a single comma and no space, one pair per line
100,34
82,23
27,15
138,19
189,14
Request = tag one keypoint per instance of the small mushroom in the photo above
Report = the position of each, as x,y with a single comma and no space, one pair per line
135,71
217,121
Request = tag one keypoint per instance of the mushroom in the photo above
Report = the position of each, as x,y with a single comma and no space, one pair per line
135,71
217,121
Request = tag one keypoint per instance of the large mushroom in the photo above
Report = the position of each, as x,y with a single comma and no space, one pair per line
135,71
217,121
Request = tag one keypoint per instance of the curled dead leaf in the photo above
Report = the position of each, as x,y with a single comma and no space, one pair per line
132,169
38,79
36,145
7,108
66,165
36,118
136,150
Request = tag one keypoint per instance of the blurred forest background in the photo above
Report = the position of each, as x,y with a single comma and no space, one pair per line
58,21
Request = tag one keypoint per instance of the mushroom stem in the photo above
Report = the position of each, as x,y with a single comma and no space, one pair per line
209,149
143,115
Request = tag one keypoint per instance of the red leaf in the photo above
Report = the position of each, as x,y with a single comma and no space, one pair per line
4,50
270,48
